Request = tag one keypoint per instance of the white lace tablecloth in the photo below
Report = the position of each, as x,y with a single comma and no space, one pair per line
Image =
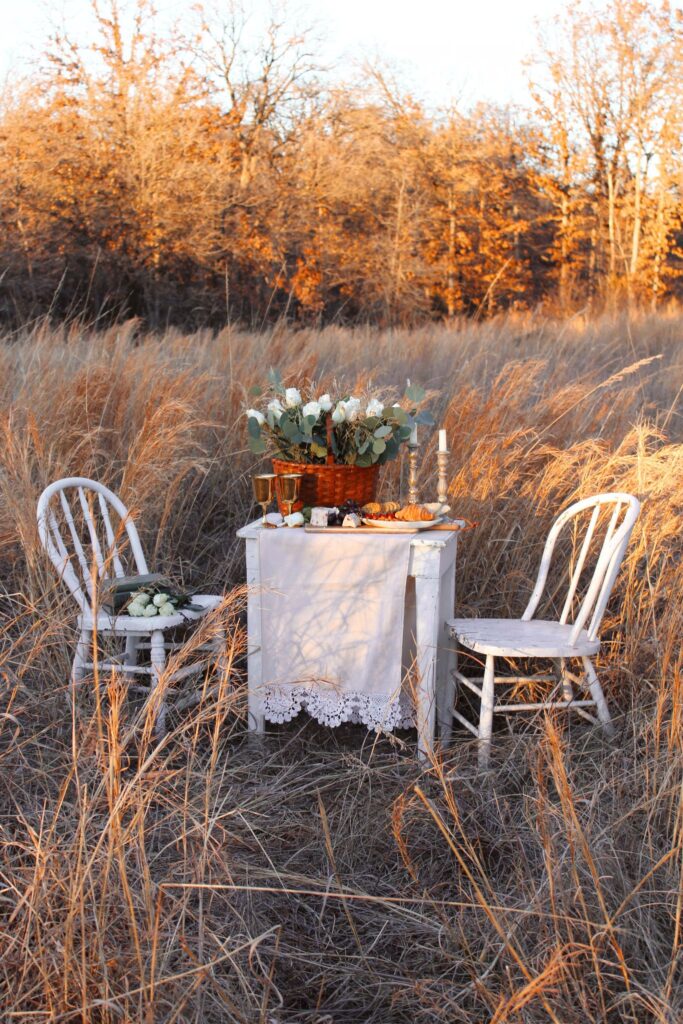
332,626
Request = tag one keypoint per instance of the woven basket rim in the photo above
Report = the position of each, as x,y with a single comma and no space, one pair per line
320,467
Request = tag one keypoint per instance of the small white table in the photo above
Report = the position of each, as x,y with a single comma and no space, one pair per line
428,606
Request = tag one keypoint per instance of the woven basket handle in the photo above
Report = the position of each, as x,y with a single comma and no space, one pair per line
328,427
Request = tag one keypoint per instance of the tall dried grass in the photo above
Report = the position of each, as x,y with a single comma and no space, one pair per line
325,876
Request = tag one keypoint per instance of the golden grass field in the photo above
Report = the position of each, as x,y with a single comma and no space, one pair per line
327,878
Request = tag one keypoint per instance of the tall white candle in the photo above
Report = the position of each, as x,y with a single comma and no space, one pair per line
413,434
443,445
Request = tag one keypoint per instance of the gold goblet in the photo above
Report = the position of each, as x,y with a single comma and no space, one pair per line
289,488
263,485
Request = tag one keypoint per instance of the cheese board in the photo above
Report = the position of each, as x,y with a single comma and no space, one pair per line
454,525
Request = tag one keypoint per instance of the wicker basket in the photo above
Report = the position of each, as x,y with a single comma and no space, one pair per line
329,485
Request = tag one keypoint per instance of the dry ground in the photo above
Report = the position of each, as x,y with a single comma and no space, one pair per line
327,877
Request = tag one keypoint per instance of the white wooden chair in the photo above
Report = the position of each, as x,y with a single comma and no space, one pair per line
95,536
571,636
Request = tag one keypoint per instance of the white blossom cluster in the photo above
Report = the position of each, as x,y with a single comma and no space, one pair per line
344,412
142,605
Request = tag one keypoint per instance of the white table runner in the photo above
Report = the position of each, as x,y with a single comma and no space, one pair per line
332,608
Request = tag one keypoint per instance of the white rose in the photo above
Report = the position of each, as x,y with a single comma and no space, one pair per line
296,519
160,599
292,397
352,409
256,415
312,409
325,403
375,408
275,407
141,598
167,609
135,609
149,611
339,414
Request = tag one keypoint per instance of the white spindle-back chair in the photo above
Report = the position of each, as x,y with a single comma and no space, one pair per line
90,536
600,530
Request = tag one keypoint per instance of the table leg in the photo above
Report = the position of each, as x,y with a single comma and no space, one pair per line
256,721
447,658
427,630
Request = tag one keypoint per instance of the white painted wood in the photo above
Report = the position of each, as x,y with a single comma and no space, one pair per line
598,697
565,639
515,638
464,721
256,718
608,561
158,659
101,564
427,635
486,713
111,539
446,660
432,565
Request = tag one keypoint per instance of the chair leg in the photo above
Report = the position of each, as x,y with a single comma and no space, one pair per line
81,658
599,697
132,649
448,693
486,712
563,678
220,645
158,659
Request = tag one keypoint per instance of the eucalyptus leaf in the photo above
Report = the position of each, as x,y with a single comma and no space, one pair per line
255,391
257,445
383,431
415,393
425,417
275,378
365,460
288,427
378,446
253,427
392,449
395,412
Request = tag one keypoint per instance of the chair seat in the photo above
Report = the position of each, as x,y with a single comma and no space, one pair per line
140,626
514,638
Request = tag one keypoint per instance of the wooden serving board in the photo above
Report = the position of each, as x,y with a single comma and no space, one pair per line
454,527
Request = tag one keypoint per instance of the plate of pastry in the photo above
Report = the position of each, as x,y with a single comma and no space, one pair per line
391,516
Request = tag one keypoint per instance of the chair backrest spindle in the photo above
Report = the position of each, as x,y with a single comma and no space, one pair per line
612,549
106,551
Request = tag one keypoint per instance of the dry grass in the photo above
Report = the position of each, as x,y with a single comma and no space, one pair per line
327,877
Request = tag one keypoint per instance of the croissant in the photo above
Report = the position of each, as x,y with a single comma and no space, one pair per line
390,506
414,514
372,507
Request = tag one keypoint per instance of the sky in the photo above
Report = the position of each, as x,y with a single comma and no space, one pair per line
443,50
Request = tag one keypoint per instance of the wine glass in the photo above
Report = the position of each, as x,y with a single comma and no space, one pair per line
263,484
289,488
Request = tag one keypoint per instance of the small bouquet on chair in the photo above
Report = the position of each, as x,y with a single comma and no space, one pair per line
144,596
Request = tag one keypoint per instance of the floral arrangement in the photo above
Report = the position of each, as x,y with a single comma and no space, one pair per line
150,601
304,429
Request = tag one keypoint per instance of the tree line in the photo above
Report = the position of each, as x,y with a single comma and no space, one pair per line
189,176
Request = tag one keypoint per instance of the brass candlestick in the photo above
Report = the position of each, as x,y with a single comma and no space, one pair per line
413,493
442,486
